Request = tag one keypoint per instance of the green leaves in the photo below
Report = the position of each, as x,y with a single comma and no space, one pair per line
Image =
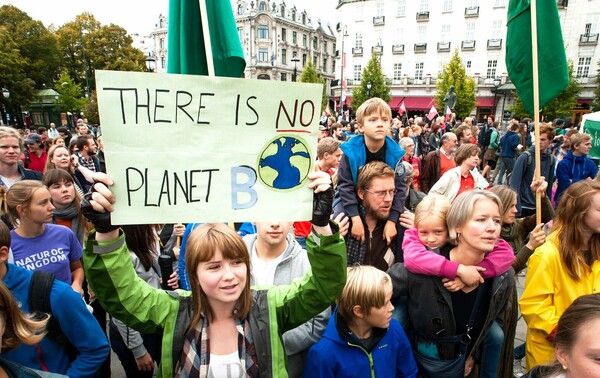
454,73
373,74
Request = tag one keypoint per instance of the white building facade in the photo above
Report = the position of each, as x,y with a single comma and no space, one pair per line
278,41
414,39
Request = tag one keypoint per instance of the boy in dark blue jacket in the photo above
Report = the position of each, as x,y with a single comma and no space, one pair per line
575,166
362,339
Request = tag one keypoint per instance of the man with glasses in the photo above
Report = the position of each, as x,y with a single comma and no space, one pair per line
375,189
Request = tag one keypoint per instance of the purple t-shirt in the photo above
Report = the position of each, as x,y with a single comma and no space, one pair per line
53,251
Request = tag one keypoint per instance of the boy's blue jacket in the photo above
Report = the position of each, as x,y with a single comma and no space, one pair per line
572,169
355,156
76,322
334,356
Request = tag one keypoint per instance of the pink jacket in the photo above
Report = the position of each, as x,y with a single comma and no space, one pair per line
418,260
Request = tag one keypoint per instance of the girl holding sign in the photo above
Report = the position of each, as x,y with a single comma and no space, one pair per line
249,323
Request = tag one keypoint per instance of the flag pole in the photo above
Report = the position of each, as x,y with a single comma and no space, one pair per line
206,34
536,107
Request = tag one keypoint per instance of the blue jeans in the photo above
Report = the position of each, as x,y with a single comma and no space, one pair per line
507,166
490,355
519,353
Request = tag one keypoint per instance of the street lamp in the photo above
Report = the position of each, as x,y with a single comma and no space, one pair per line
369,86
84,32
150,64
342,84
295,59
497,82
6,95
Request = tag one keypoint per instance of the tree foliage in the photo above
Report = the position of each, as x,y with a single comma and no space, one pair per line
596,103
105,48
454,73
70,99
373,74
560,107
310,75
91,109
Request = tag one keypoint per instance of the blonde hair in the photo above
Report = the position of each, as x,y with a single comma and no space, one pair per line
18,327
21,193
6,132
507,196
432,206
462,207
578,138
373,105
49,164
367,287
202,245
569,225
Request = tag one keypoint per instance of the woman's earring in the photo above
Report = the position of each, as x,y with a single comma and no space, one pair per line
564,367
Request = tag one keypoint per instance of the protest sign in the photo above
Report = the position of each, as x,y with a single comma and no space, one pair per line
186,148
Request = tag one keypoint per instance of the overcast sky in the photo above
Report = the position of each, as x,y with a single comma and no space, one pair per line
134,15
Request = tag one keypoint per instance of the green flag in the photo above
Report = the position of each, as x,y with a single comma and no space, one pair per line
553,70
186,43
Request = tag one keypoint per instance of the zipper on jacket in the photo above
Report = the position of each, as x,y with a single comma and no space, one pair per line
369,356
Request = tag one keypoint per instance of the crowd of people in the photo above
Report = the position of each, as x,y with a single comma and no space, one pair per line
408,267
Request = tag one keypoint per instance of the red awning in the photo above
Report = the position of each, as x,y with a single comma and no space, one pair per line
584,100
418,103
395,103
485,102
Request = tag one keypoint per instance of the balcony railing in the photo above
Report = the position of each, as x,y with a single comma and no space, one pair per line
494,44
588,39
471,12
467,45
379,20
420,47
443,46
562,4
423,16
397,49
357,51
377,49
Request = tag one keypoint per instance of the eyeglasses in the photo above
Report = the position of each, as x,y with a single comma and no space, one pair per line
381,194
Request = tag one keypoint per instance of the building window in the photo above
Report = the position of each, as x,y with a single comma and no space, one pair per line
294,15
583,68
397,71
315,43
499,3
401,8
468,68
422,33
324,47
294,38
303,60
419,70
263,32
333,51
358,41
283,34
447,6
324,65
304,40
163,62
591,24
315,62
359,12
380,9
162,43
241,34
263,55
445,33
262,6
283,56
424,6
283,76
491,69
469,31
472,3
357,73
400,35
497,29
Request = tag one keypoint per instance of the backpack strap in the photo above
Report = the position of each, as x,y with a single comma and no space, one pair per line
39,304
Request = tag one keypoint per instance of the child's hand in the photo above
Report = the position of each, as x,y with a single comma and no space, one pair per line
358,230
470,275
344,222
453,285
389,231
537,237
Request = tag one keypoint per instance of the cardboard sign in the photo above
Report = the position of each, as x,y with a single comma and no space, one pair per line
186,148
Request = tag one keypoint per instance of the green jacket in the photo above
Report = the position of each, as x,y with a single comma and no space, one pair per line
275,310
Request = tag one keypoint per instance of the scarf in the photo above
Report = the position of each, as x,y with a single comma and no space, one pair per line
71,213
195,359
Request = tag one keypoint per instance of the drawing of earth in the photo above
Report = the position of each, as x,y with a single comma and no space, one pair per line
284,163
